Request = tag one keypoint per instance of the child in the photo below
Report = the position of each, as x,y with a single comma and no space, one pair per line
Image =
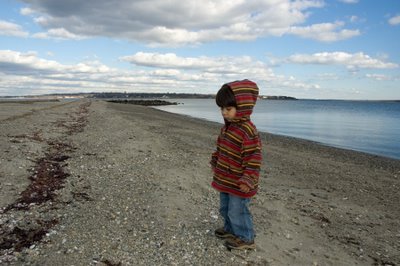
236,163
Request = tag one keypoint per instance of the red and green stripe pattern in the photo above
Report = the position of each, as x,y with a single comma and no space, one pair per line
238,158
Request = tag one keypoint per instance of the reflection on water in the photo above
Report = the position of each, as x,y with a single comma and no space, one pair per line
368,126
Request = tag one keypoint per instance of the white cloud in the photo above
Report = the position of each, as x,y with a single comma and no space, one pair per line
328,76
26,11
222,66
16,63
61,34
349,1
351,61
30,74
379,77
394,20
11,29
175,22
354,18
325,32
357,20
171,60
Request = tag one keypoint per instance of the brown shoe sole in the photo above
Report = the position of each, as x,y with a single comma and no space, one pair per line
251,246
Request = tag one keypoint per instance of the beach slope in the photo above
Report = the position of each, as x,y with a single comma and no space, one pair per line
97,183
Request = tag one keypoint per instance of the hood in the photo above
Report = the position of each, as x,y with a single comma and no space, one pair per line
246,93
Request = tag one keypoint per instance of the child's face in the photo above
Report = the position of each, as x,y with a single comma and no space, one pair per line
228,113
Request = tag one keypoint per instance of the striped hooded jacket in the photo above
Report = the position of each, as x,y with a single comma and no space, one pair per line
237,159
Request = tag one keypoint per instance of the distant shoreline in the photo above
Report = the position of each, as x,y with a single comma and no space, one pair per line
144,102
121,96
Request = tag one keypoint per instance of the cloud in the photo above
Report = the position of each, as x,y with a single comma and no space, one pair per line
349,1
175,23
325,32
171,60
61,34
27,73
351,61
379,77
17,63
12,29
354,18
216,68
327,76
26,11
394,20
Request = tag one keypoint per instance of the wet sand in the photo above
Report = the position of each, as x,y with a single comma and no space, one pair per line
133,187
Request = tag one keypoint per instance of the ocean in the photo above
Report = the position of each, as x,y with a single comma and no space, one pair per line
368,126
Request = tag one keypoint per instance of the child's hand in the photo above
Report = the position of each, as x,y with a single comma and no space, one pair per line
244,188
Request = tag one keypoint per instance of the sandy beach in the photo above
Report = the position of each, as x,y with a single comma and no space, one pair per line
98,183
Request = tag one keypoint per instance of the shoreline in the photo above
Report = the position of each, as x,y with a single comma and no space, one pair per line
136,175
313,142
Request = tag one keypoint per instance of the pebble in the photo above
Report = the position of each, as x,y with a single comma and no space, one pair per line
138,209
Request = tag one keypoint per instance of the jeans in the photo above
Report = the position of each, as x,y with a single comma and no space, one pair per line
237,217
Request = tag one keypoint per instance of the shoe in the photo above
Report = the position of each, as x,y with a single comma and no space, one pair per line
237,243
221,233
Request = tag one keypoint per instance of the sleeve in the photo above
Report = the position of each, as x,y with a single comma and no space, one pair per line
251,156
214,158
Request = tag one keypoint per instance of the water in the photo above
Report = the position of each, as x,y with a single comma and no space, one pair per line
368,126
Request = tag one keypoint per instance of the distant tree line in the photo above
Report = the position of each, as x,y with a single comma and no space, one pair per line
144,102
145,95
277,98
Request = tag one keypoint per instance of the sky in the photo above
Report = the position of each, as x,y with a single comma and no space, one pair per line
308,49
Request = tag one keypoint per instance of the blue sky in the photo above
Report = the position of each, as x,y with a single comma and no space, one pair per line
336,49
